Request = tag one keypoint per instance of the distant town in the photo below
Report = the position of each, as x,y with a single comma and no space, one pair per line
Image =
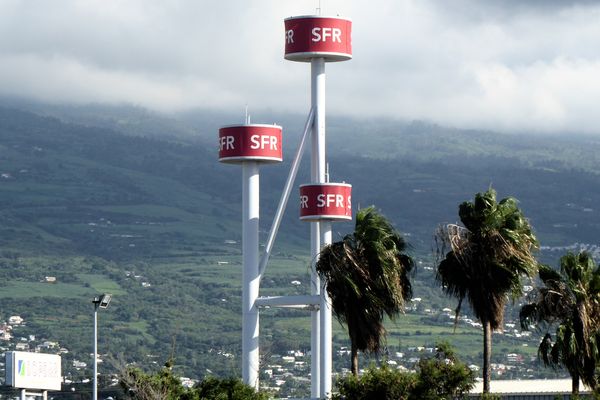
288,374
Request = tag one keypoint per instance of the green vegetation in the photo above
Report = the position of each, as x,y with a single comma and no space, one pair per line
487,261
366,275
155,220
442,376
100,284
571,299
164,385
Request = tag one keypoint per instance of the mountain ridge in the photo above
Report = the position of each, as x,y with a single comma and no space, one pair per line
157,221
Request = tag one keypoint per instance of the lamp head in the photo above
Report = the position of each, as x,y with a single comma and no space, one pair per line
103,300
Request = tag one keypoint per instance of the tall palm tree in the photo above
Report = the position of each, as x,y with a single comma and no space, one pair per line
487,259
366,275
569,299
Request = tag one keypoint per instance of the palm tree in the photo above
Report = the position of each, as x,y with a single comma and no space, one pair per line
366,275
487,259
570,299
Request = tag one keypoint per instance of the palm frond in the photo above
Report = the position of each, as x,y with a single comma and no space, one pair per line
488,257
529,313
571,299
367,276
545,350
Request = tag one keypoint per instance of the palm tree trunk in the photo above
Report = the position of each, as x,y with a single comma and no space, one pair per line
354,355
575,384
487,355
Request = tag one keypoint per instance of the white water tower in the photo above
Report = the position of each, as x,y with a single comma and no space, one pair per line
317,39
250,145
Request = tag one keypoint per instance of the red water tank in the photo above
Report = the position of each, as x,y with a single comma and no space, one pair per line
331,201
252,142
316,36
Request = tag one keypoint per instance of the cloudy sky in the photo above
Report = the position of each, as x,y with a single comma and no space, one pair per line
528,65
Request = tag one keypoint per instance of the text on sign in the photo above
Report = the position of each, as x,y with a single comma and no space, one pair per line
262,142
328,200
318,35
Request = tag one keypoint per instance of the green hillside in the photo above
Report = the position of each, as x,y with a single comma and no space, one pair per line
153,222
104,203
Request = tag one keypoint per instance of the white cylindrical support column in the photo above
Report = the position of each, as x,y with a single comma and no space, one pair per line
250,274
238,145
317,166
315,331
301,45
326,332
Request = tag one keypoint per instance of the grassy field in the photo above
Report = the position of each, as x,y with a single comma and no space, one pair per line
19,289
409,332
101,284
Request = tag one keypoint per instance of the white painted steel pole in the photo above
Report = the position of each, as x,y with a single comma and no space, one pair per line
318,103
317,166
326,332
315,332
95,387
250,274
321,230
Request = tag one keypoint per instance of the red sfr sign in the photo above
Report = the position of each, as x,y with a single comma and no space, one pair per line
310,37
326,201
254,142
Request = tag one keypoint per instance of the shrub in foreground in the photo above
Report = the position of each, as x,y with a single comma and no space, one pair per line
443,376
164,385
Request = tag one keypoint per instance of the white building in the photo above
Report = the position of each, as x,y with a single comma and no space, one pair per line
529,389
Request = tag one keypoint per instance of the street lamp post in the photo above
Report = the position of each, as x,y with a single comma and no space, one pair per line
101,301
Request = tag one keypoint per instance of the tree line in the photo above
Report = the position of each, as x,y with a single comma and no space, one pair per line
483,262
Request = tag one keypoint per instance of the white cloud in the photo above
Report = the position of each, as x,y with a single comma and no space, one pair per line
517,66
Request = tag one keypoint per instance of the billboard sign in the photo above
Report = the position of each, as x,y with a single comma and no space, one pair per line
26,370
314,36
252,142
332,201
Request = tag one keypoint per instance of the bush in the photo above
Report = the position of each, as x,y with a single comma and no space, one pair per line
440,377
226,389
377,384
164,385
489,396
443,376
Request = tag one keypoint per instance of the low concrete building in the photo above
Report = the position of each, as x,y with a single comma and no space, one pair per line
531,389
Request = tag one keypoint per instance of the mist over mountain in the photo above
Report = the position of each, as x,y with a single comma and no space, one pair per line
416,172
